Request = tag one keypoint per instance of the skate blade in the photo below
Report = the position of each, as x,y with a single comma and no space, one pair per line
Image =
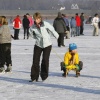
8,72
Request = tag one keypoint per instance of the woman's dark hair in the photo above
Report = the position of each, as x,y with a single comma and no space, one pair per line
25,16
77,14
96,15
63,15
59,15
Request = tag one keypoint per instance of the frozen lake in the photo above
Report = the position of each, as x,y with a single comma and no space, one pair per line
16,86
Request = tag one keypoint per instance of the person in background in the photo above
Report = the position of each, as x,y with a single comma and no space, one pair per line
67,25
0,21
26,23
73,26
60,28
11,20
17,23
30,20
5,46
78,24
41,32
0,44
95,22
82,23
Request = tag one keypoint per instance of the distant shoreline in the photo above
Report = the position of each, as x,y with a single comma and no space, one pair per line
46,13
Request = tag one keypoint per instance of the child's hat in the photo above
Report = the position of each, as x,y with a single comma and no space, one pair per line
72,46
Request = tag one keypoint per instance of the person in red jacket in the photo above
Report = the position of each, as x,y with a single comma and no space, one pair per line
17,25
78,24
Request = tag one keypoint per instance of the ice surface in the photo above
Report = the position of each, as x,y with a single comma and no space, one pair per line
16,86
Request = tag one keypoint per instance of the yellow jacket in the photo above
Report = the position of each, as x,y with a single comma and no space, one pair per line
67,62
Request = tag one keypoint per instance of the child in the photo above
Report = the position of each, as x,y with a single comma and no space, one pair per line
73,26
5,46
71,61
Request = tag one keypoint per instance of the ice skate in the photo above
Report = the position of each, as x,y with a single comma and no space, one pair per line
2,70
9,69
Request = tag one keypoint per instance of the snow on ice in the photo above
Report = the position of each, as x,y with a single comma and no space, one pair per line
16,86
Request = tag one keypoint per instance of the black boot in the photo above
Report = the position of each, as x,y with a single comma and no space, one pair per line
77,73
62,65
28,37
9,68
2,70
64,74
32,80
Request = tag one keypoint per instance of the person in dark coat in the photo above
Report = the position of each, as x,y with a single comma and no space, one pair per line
26,26
82,23
60,27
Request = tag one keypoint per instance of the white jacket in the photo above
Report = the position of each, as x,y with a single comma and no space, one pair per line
95,21
43,34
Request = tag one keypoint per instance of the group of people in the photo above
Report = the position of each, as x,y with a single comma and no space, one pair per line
40,31
26,22
63,27
77,24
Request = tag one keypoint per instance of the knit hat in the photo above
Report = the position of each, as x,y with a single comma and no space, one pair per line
72,46
59,15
